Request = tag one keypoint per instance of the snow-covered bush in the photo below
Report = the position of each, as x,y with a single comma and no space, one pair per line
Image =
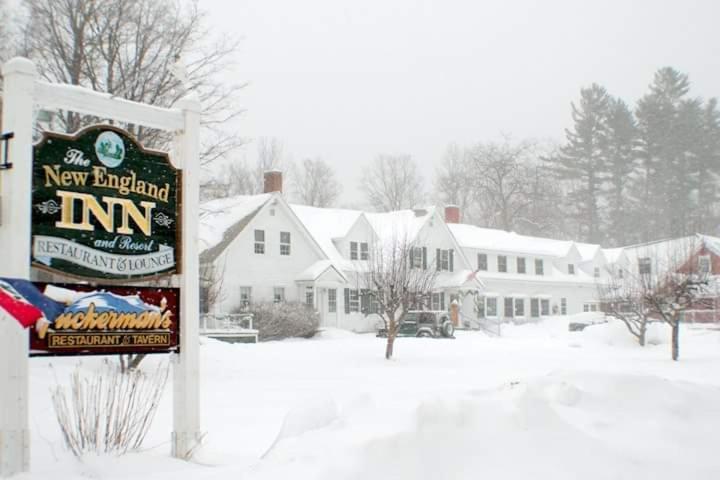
108,411
276,321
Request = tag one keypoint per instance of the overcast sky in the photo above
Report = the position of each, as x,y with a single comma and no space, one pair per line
346,80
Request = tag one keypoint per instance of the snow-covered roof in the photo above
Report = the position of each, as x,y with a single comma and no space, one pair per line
673,252
219,217
470,236
401,226
326,225
711,243
458,279
552,275
588,251
318,269
613,254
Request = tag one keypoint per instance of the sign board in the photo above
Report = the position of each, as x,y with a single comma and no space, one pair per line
103,206
86,320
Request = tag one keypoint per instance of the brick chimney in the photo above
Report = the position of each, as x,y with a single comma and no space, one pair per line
452,214
273,181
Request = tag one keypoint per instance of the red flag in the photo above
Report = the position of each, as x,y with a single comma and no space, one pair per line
15,305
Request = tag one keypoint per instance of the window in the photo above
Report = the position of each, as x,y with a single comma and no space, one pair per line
596,272
539,267
534,307
368,302
482,261
571,269
491,307
260,241
502,263
509,307
284,243
620,273
332,300
353,251
364,251
309,296
519,307
563,306
544,306
520,265
444,260
278,294
644,267
354,301
438,301
416,258
245,296
704,265
590,307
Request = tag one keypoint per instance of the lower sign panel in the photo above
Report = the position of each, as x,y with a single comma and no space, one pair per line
102,320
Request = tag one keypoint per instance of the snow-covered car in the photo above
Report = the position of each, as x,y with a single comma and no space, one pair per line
424,323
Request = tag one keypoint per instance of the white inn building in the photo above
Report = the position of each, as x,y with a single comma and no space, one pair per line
261,248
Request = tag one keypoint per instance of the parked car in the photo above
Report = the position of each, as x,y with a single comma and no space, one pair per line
424,323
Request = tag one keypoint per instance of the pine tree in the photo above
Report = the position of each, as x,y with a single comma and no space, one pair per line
707,171
581,161
621,155
661,131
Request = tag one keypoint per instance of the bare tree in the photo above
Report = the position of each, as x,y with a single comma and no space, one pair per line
454,183
500,174
668,283
622,298
211,286
673,286
151,51
392,183
316,184
270,156
396,284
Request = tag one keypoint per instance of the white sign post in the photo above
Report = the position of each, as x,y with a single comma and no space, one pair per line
23,91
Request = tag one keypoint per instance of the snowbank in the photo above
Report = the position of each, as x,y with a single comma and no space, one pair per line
541,402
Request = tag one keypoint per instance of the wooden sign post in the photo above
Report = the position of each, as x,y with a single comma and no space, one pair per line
23,91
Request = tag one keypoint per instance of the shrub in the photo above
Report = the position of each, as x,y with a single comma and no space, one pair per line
108,411
275,321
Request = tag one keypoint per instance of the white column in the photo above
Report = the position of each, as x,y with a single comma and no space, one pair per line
186,369
15,197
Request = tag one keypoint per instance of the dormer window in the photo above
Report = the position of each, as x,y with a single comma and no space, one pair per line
571,269
520,265
482,261
596,272
502,263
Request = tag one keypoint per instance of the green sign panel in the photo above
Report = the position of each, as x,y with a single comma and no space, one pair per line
104,207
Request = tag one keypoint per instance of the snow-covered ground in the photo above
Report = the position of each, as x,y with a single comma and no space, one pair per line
540,402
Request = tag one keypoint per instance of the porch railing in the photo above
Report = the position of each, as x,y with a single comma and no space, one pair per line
226,322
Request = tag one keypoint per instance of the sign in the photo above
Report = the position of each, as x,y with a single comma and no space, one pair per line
103,206
87,320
